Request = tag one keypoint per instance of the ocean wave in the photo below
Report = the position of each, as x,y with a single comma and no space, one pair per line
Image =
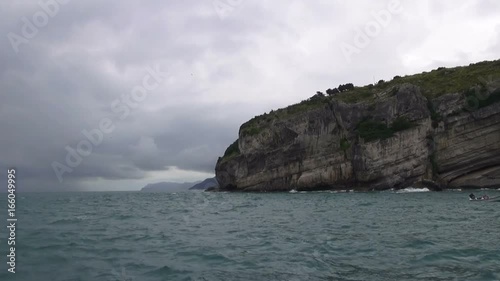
323,191
413,190
238,235
72,220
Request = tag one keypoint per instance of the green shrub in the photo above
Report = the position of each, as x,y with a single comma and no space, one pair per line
344,144
370,130
401,124
305,105
251,130
479,98
492,98
359,94
232,150
434,115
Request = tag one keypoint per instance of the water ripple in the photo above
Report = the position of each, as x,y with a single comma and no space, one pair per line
225,236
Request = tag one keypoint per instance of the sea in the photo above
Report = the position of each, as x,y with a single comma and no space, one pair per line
125,236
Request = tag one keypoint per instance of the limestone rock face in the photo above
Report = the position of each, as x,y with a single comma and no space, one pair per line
468,148
321,148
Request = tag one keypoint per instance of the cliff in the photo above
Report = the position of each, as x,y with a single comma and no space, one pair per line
440,128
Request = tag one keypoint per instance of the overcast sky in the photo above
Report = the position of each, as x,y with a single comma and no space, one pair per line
217,63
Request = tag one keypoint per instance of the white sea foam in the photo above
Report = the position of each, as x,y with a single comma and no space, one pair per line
293,191
413,190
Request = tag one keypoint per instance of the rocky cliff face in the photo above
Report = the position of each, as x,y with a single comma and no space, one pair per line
467,145
394,140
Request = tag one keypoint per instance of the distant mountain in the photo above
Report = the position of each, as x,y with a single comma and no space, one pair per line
168,186
210,182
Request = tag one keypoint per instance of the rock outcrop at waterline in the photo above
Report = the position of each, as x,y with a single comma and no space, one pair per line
394,138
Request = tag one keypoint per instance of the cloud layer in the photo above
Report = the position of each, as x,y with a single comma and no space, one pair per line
224,67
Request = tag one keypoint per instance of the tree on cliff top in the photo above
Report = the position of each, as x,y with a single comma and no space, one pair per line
332,92
346,87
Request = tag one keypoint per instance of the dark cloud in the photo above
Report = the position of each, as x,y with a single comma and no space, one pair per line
221,72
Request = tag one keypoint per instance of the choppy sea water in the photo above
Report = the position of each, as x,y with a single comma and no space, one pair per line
233,236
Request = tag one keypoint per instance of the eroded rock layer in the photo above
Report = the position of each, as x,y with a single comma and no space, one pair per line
443,140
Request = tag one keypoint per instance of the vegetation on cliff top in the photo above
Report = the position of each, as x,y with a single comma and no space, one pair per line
232,151
258,123
432,84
